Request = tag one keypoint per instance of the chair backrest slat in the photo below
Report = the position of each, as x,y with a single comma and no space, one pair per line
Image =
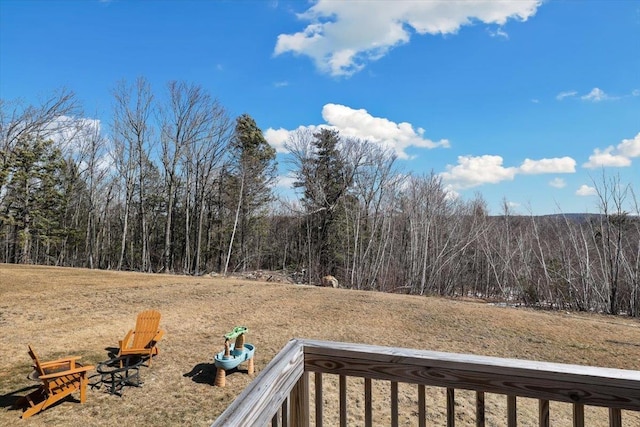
36,361
147,326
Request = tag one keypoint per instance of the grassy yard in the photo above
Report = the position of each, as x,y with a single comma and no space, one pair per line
62,311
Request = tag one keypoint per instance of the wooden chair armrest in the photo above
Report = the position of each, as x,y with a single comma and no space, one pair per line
69,372
60,361
159,335
124,343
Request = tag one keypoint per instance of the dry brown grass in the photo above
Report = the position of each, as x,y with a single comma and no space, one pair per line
63,311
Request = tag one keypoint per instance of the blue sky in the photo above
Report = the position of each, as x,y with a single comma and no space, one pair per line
525,101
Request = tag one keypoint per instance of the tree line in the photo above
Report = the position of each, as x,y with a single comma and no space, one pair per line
179,186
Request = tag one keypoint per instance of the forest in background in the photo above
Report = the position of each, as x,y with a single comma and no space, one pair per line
179,186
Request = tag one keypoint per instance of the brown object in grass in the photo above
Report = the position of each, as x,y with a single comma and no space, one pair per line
145,336
330,282
59,378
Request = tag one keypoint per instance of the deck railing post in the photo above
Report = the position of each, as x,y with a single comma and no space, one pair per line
299,407
480,411
543,413
512,414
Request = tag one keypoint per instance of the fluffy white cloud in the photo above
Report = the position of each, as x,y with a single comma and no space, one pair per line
630,147
558,183
360,124
555,165
277,138
607,157
341,42
596,95
473,171
619,156
585,190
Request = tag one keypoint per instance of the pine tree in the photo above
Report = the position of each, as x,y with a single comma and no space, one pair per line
34,201
253,171
325,177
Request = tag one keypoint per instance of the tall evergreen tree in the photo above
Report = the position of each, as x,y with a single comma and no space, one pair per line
325,177
34,184
253,171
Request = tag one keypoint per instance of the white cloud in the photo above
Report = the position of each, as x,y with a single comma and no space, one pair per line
362,125
473,171
606,157
555,165
596,95
619,156
277,138
341,42
568,94
630,147
558,183
585,190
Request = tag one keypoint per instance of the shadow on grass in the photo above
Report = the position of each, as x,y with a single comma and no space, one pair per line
11,399
205,373
112,352
202,373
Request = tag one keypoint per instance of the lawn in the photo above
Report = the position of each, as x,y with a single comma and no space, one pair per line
63,311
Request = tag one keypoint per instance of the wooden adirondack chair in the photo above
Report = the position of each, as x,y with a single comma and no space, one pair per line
59,378
143,339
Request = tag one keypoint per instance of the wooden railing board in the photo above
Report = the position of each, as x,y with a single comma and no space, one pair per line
368,403
585,385
343,400
543,413
512,413
422,406
578,415
451,407
286,379
615,417
276,381
319,400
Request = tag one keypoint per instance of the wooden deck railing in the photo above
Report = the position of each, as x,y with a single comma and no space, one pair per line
280,395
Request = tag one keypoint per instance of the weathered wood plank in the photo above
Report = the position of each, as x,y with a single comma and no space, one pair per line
299,406
319,400
512,413
368,403
578,415
585,385
394,404
260,400
480,415
422,406
343,400
285,410
615,417
451,407
543,413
